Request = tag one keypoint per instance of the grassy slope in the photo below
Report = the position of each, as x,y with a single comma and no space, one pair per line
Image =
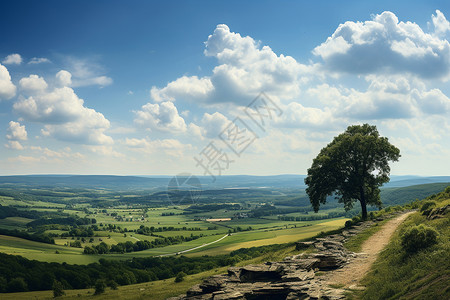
423,275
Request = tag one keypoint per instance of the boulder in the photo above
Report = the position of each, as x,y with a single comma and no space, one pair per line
329,261
194,291
267,272
438,212
213,283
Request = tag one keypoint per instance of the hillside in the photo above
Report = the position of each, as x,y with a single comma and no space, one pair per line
415,271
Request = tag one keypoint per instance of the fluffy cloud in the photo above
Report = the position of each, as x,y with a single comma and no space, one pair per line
184,88
63,78
13,59
298,116
245,69
387,97
162,117
88,129
7,88
440,23
214,124
386,45
16,133
33,84
63,114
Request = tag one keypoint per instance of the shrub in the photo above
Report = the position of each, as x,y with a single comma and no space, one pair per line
113,285
426,205
58,289
17,285
180,277
356,219
418,237
348,223
100,286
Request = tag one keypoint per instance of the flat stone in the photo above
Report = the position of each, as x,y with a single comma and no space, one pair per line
213,283
232,296
253,273
195,290
298,275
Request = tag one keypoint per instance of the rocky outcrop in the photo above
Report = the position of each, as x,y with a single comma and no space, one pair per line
438,212
292,278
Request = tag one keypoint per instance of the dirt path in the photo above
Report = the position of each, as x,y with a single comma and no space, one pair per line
351,274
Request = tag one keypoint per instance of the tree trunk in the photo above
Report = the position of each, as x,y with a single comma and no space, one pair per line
362,200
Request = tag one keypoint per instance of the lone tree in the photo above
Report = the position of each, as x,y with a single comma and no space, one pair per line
352,168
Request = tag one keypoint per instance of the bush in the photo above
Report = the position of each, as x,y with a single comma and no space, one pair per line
426,205
348,223
356,219
113,285
100,287
180,277
58,289
17,285
418,237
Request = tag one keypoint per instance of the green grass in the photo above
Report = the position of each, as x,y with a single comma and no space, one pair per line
14,222
44,252
257,238
422,275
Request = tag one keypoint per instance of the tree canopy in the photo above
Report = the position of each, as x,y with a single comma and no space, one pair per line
352,168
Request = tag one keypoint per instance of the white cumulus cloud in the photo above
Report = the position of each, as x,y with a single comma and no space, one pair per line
7,88
62,112
33,84
385,44
440,23
63,78
214,124
244,70
162,117
16,133
13,59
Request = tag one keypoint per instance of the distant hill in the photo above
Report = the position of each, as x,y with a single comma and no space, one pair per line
402,195
160,182
401,181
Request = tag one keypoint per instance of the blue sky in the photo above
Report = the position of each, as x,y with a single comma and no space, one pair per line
150,87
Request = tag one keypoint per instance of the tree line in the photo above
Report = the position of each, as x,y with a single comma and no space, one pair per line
129,246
